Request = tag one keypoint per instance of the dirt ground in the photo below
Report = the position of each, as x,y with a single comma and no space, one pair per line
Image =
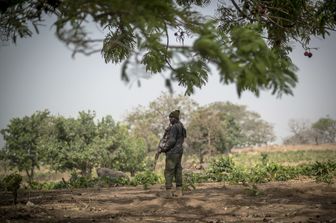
292,201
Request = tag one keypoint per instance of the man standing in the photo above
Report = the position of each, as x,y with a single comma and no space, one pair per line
174,150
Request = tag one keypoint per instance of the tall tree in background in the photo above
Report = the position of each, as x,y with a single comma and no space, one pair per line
325,130
149,122
110,138
254,130
130,156
248,43
301,132
23,137
211,131
80,143
218,127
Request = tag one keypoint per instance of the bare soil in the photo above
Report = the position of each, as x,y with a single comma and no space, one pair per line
292,201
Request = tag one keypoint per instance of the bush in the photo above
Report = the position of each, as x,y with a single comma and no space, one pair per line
106,181
47,185
12,183
190,179
76,181
323,172
223,165
146,179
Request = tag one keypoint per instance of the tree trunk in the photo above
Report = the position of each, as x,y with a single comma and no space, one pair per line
148,145
209,142
85,172
201,157
316,140
30,174
15,193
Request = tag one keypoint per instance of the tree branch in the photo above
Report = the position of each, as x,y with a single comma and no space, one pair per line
240,11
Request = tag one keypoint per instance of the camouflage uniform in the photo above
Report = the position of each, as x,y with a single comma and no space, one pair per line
174,150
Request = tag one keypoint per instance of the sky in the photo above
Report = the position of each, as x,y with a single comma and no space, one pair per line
39,73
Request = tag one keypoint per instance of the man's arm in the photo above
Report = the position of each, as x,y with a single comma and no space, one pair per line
171,139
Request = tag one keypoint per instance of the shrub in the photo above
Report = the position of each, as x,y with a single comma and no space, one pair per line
12,183
190,179
145,178
47,185
223,165
323,172
106,181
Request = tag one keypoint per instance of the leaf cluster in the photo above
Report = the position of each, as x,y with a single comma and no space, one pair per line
248,42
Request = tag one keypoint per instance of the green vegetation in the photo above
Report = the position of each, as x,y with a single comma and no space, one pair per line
11,183
224,169
22,149
319,132
248,42
234,168
42,144
213,128
288,158
145,178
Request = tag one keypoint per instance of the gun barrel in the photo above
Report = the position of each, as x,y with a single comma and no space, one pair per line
157,154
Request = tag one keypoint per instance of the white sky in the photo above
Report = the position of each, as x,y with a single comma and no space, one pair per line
38,73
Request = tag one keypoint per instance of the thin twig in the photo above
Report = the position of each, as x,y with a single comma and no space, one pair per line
240,11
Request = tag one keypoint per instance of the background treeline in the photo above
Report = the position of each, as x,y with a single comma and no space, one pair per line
320,132
85,142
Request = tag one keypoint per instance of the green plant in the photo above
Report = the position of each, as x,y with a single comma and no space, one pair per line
77,181
191,179
238,175
222,165
264,158
145,178
12,183
323,172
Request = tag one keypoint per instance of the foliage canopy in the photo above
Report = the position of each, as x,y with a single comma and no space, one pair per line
23,142
247,42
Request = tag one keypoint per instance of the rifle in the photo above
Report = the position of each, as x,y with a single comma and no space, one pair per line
156,157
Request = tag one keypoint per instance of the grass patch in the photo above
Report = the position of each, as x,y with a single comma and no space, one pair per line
286,158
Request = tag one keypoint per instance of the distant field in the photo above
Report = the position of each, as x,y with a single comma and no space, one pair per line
285,155
284,148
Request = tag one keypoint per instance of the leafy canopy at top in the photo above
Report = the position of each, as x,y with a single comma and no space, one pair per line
248,41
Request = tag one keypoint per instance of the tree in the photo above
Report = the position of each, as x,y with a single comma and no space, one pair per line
140,122
325,130
23,137
301,132
218,127
130,156
80,144
254,130
210,131
110,138
201,132
149,122
248,42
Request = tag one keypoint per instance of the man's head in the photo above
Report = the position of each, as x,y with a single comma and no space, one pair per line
174,116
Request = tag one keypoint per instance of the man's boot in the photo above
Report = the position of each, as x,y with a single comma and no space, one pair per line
178,192
168,193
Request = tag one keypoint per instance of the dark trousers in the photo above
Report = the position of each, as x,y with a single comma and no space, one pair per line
173,169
